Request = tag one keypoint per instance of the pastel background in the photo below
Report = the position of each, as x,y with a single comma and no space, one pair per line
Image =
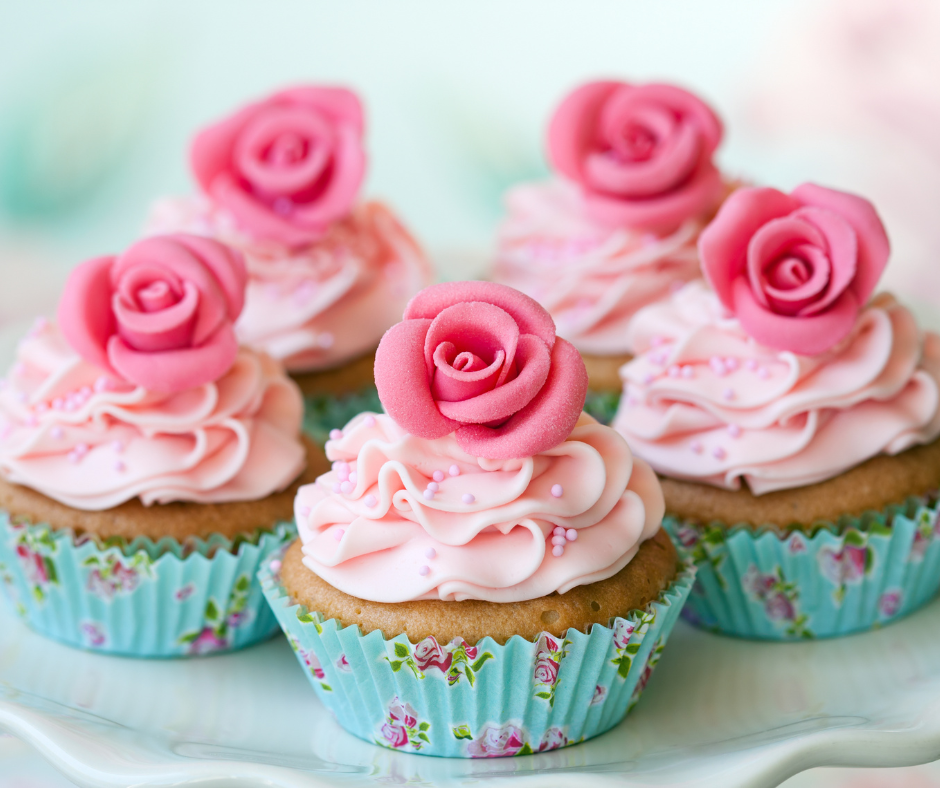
98,100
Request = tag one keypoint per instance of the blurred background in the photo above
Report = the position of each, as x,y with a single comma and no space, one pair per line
98,101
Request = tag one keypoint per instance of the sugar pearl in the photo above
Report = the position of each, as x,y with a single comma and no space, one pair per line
696,446
342,473
118,446
370,500
424,571
558,551
119,466
674,371
718,453
353,478
433,486
734,430
688,372
731,363
763,373
467,498
336,487
430,553
571,535
648,378
428,495
339,533
728,394
438,476
558,531
454,470
304,511
57,432
347,487
369,421
275,565
335,435
751,364
557,491
559,540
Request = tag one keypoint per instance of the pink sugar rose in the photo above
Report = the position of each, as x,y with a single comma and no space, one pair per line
288,166
430,654
482,359
161,315
642,154
795,269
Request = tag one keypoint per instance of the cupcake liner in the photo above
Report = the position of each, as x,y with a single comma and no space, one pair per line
324,412
602,405
478,701
838,579
141,599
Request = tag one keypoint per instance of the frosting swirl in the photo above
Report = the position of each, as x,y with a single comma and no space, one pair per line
92,441
322,304
703,401
404,518
590,277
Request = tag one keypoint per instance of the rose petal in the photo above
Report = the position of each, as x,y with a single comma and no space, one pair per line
842,247
339,193
227,266
723,244
530,316
572,130
176,370
84,313
401,377
796,297
474,378
545,422
534,361
166,329
774,240
806,336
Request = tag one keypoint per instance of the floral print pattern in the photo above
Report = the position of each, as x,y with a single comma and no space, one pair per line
549,652
456,660
779,598
651,662
311,663
10,586
890,603
34,549
509,739
110,576
928,529
628,638
848,565
220,622
402,728
93,634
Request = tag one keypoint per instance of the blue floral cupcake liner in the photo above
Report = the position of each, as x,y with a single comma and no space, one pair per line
142,599
325,412
769,585
484,700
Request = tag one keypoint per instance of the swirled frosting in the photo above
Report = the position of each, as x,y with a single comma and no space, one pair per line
403,518
590,277
322,304
92,441
705,402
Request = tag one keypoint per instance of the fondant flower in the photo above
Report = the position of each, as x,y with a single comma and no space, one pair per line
642,154
795,269
482,359
288,166
161,314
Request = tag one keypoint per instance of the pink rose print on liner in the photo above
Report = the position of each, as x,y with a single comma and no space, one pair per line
497,742
642,154
35,566
161,315
847,565
481,359
795,269
889,604
403,728
552,739
93,634
343,664
600,693
429,654
288,166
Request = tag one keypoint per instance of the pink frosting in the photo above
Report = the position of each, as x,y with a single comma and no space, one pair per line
642,154
379,527
482,359
161,315
704,402
590,277
288,166
315,307
795,269
90,440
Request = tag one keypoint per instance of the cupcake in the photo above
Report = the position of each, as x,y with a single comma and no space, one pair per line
616,229
327,273
147,462
794,420
482,572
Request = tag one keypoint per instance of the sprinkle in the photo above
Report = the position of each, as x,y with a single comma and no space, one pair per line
659,359
353,478
335,435
696,446
656,340
454,470
70,405
341,464
688,372
751,364
558,530
734,430
728,393
337,488
718,366
559,540
85,391
571,535
339,533
433,486
424,571
731,363
42,407
118,446
718,453
119,466
275,565
347,487
304,511
430,553
648,378
58,403
763,373
3,383
558,551
82,448
468,498
428,495
369,420
370,500
557,491
342,473
325,340
31,420
57,432
674,371
438,476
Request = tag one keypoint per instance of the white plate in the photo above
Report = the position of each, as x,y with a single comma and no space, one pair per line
718,712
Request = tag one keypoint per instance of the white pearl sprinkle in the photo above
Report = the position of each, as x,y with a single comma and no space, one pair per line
57,432
430,553
734,430
335,435
731,363
353,478
337,488
454,470
656,340
688,372
557,491
347,487
370,500
558,551
718,453
558,531
438,476
571,535
728,394
763,373
751,364
424,571
428,495
275,565
467,498
696,446
118,447
433,486
674,371
648,378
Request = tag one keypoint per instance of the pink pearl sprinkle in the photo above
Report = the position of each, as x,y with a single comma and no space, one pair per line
763,373
688,372
438,476
571,535
659,359
118,447
346,487
336,488
718,366
353,478
424,571
454,470
119,466
73,457
558,530
656,340
430,553
31,420
82,448
751,364
558,540
369,421
428,495
335,435
648,378
718,453
674,371
467,498
558,551
57,432
343,473
728,394
275,565
433,486
696,446
304,511
370,500
557,491
58,403
339,533
734,430
731,363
